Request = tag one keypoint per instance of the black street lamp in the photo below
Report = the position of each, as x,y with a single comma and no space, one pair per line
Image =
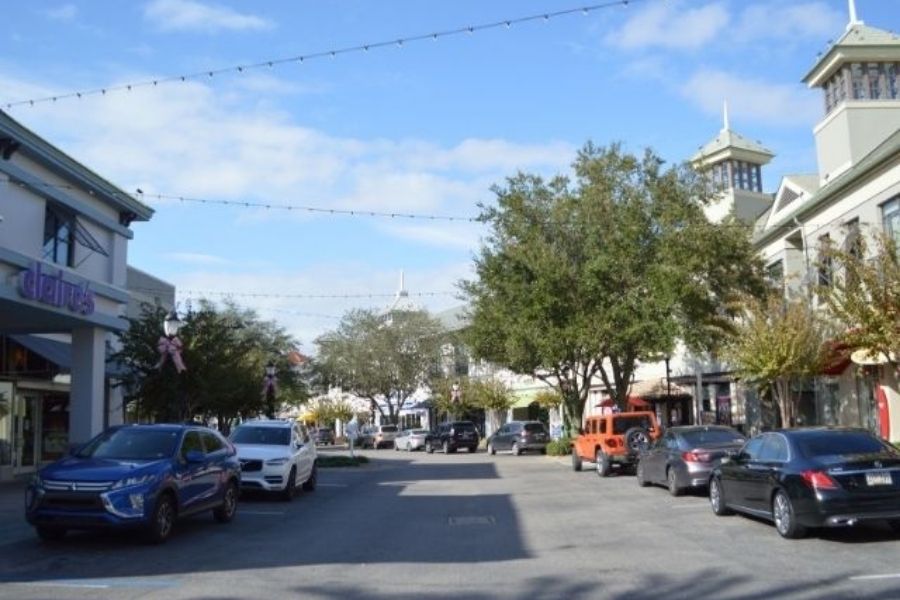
270,389
170,347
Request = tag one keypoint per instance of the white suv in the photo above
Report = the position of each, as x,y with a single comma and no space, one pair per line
275,456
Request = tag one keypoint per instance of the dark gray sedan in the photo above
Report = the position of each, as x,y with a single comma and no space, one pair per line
684,457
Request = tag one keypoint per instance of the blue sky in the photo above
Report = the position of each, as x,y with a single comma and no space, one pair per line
427,127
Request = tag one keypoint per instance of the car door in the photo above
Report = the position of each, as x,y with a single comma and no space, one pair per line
737,472
763,472
216,453
663,452
303,448
191,477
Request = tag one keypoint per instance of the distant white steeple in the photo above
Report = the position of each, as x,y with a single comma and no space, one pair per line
401,302
854,19
726,125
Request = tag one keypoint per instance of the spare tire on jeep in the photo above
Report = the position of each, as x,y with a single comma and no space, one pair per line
637,439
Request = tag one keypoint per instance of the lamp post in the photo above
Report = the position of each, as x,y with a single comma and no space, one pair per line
269,389
455,394
170,346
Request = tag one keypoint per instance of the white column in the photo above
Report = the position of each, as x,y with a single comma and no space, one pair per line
86,405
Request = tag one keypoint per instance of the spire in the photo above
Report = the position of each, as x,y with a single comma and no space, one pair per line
402,291
854,19
726,125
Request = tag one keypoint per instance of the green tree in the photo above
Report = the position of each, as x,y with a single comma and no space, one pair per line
225,352
577,280
778,343
862,293
384,359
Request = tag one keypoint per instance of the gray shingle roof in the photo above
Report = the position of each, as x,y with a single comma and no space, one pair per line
729,139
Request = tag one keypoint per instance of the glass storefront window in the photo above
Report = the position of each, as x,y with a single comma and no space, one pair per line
54,426
6,407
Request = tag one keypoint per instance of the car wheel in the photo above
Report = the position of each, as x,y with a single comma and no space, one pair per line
639,475
287,494
429,448
603,465
543,451
473,449
716,499
672,482
637,439
785,520
226,511
576,461
894,524
516,450
310,484
446,448
490,449
50,534
162,521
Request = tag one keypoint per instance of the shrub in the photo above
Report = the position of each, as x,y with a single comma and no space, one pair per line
560,447
341,461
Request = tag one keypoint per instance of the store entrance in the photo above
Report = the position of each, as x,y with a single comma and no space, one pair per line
25,425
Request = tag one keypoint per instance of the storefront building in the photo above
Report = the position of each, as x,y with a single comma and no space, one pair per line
64,233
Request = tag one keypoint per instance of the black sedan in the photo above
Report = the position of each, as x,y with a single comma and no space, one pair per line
805,478
684,457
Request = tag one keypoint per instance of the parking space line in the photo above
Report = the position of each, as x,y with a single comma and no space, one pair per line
885,576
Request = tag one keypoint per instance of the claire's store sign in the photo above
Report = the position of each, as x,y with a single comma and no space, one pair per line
49,288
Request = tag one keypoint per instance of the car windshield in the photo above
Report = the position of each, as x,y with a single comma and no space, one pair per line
704,437
419,432
839,443
389,429
464,426
623,424
265,436
534,427
132,444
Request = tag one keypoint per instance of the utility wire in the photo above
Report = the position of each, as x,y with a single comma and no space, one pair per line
299,59
226,293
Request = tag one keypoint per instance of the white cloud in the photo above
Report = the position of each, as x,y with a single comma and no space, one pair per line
65,12
672,25
761,101
787,21
190,15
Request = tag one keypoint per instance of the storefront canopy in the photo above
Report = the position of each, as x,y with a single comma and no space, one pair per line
60,353
657,389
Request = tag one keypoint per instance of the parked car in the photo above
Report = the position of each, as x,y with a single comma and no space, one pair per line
614,440
684,456
518,437
812,477
410,439
324,436
136,477
275,456
451,436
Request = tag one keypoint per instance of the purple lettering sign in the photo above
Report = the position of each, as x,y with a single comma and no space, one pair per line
53,290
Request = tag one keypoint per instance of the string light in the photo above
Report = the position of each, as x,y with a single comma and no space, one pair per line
357,296
347,212
507,23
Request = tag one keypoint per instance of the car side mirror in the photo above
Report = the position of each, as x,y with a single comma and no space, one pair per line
734,455
195,456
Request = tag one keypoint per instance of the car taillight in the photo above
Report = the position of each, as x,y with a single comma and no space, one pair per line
524,433
611,443
819,480
695,457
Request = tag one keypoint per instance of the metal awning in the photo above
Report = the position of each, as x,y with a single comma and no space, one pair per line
60,353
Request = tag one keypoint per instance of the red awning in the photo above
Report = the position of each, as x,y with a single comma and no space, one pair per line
838,358
606,403
638,403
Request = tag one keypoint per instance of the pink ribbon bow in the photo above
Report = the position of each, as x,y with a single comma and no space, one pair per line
170,347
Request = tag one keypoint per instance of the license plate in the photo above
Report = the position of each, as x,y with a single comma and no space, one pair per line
879,478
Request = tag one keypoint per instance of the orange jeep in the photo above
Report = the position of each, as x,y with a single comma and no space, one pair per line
614,439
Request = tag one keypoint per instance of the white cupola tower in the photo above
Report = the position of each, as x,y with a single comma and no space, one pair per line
735,163
860,78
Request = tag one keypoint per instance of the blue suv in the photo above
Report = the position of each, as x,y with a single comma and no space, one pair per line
136,477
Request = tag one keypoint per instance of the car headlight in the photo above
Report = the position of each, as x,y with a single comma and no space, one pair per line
37,482
274,462
133,481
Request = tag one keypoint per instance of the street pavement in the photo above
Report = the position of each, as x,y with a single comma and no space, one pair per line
455,527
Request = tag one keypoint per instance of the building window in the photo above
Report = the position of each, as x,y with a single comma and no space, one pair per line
825,267
859,87
775,274
59,237
874,74
891,76
890,215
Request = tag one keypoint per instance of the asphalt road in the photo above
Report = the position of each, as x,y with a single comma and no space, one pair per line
456,527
